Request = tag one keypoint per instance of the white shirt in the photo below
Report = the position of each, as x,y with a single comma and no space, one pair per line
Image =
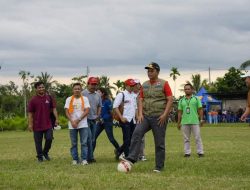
77,113
130,104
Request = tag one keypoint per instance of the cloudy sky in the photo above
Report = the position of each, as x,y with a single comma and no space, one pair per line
118,38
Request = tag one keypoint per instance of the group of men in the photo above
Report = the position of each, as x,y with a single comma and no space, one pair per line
146,107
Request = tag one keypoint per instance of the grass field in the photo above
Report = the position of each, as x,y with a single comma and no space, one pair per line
226,164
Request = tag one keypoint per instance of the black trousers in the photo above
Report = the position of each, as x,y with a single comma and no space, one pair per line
38,137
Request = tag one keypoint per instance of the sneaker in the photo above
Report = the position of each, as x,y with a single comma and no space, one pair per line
156,170
201,155
84,162
122,156
187,155
74,162
58,127
142,158
46,157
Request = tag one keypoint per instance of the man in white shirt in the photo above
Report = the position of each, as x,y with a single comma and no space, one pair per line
77,109
127,98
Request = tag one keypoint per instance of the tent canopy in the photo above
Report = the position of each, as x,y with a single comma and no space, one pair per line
207,100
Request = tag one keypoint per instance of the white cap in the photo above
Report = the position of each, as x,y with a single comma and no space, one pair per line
137,81
245,75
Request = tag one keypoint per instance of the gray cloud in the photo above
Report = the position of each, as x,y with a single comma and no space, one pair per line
121,37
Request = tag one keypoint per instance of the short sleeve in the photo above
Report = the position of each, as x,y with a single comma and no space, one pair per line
167,89
86,102
199,103
179,105
118,100
31,107
66,106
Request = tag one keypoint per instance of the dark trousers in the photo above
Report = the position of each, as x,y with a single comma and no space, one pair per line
127,132
91,138
38,137
108,127
159,133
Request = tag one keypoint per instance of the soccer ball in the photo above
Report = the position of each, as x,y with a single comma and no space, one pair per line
124,166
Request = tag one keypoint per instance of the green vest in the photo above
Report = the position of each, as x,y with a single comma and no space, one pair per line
154,101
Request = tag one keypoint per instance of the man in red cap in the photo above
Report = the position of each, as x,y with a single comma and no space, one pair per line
154,106
127,118
95,102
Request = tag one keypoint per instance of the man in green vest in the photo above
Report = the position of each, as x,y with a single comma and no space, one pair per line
155,102
190,118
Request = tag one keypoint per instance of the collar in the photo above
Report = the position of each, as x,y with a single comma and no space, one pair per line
90,92
190,97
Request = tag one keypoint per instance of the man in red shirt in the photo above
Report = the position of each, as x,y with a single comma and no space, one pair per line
154,106
39,110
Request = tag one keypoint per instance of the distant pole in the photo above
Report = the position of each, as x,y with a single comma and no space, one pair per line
209,75
87,72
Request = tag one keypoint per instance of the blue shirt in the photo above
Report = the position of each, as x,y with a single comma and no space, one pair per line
106,109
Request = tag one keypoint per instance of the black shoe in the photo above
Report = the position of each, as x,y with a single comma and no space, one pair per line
201,155
91,161
46,157
40,160
187,155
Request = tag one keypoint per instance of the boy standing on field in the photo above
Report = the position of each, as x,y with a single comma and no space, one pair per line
77,109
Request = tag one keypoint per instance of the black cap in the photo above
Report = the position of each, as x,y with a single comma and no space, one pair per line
153,65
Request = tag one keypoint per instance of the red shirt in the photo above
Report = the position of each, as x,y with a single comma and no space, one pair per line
41,107
166,89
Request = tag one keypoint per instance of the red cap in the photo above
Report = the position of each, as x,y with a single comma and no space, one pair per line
130,82
93,80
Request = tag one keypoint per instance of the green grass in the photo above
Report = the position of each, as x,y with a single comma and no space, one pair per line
226,164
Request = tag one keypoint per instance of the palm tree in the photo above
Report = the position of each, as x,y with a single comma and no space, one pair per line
196,82
104,83
46,79
174,73
80,79
244,65
119,85
25,75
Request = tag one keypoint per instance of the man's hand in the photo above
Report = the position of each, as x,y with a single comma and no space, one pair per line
30,127
179,126
243,117
124,120
56,122
162,120
140,118
202,122
74,123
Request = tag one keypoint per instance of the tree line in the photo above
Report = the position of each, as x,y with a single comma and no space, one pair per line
13,99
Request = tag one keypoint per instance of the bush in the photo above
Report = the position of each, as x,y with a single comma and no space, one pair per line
20,123
63,122
15,123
